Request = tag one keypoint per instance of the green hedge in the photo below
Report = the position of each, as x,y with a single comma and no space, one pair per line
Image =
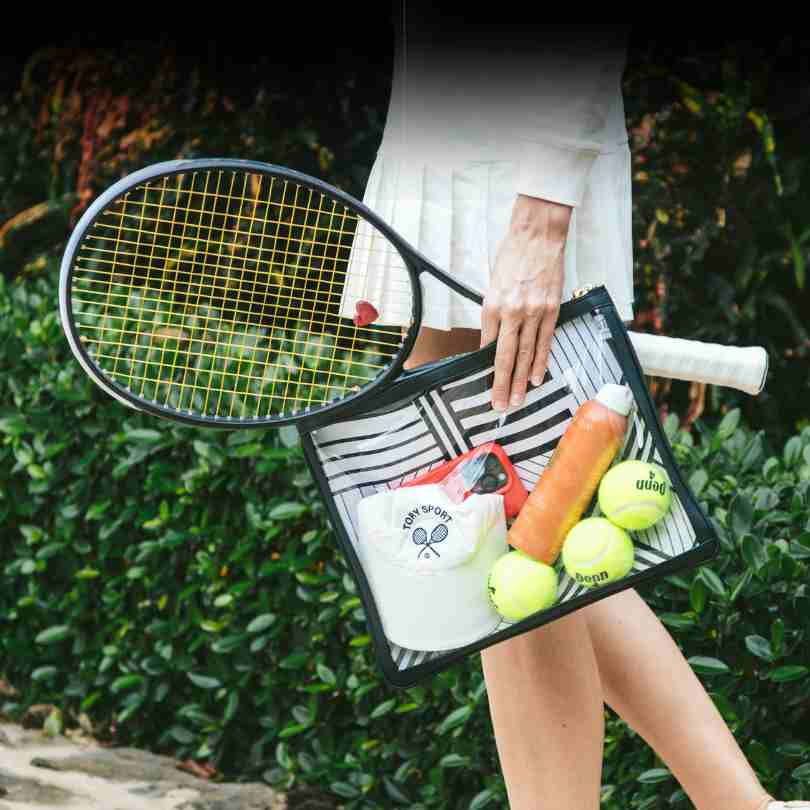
181,587
721,194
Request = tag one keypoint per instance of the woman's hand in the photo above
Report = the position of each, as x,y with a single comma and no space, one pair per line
523,300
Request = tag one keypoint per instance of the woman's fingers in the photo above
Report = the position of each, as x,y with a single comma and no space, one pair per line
524,362
543,347
524,342
508,340
490,323
524,335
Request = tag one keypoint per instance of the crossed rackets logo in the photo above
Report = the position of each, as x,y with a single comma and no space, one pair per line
420,538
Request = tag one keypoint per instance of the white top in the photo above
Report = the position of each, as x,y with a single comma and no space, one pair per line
479,116
618,398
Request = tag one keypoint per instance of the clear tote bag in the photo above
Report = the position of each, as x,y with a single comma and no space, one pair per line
440,412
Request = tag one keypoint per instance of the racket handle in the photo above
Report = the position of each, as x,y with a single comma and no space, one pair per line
677,359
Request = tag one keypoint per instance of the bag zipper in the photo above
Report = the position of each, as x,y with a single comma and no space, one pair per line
580,291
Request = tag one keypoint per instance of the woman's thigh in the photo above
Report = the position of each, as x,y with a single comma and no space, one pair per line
434,344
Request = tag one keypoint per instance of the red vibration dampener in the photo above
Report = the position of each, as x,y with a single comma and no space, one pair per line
484,469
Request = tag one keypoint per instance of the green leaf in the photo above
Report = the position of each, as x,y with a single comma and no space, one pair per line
698,480
697,595
143,436
231,707
789,673
654,775
708,666
802,773
677,621
482,799
43,673
229,643
760,647
793,450
287,511
724,706
741,514
247,450
182,735
295,661
383,708
800,550
454,761
125,682
454,719
53,634
13,425
712,581
671,426
302,715
754,453
744,579
97,510
292,729
289,436
396,794
728,424
753,553
777,636
261,623
794,748
203,681
758,754
326,674
770,468
32,534
344,790
283,756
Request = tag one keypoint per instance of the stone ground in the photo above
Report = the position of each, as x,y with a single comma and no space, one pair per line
38,772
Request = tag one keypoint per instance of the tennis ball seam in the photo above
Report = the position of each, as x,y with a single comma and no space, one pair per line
636,505
606,548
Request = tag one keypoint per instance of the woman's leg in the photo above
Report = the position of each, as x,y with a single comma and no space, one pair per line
545,698
545,701
649,683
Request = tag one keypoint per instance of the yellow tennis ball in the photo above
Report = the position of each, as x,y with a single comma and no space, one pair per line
519,585
596,552
635,494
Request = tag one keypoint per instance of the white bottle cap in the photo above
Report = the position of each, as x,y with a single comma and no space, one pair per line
618,398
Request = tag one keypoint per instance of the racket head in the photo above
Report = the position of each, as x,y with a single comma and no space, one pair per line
190,303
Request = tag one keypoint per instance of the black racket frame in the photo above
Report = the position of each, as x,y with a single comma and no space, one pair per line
414,261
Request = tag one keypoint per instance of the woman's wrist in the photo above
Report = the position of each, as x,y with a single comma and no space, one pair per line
538,218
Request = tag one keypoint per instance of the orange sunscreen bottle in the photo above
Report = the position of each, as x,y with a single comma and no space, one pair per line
568,483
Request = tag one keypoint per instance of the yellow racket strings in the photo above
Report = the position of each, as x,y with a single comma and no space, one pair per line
231,294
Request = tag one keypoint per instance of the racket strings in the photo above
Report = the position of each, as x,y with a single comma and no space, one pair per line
279,281
187,254
231,294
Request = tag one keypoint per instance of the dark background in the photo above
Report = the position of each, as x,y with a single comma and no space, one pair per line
306,44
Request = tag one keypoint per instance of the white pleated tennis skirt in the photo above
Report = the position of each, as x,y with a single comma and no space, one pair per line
456,215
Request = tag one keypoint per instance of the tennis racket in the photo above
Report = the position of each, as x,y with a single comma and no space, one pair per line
233,293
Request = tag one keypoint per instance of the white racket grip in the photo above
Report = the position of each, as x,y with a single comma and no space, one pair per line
744,368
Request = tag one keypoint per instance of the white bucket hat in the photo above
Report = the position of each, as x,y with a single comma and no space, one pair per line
427,560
